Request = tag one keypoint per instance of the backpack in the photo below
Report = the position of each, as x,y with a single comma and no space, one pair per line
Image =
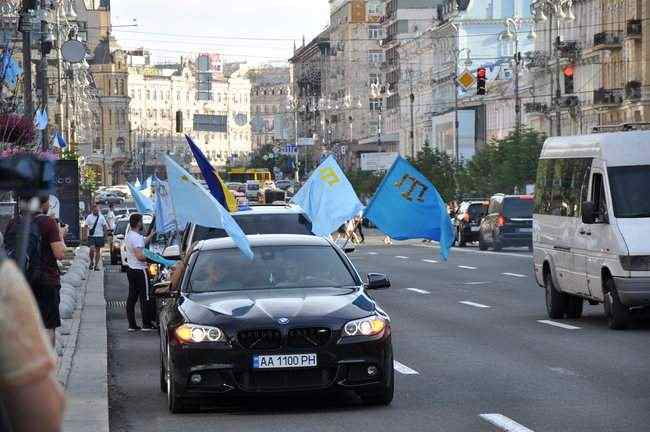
33,268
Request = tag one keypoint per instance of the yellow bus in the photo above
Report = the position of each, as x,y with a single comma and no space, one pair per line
241,175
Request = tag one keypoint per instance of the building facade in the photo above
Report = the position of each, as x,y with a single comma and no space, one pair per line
270,94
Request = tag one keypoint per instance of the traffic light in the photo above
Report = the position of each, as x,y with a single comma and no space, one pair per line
179,121
481,76
568,79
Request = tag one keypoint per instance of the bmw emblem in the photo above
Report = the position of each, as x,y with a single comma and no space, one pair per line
283,321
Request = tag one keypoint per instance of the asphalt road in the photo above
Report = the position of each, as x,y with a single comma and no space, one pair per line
468,341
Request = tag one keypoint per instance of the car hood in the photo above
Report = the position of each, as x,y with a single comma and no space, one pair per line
297,304
636,233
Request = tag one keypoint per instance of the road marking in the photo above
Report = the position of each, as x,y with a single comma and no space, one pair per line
477,305
517,275
526,254
430,261
401,257
404,370
557,324
504,423
467,267
476,283
417,290
373,253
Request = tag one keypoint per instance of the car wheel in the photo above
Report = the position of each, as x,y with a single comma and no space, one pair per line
556,301
574,307
163,376
481,243
385,395
174,402
618,315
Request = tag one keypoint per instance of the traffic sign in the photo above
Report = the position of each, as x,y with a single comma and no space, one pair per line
290,149
466,80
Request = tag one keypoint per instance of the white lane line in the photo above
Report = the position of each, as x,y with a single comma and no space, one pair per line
401,257
467,267
517,275
476,283
430,261
373,253
404,370
476,305
504,423
557,324
526,255
417,290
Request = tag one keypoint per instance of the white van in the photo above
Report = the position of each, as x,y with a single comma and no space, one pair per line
591,229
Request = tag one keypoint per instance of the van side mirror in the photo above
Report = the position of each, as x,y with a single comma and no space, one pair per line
377,281
172,252
588,213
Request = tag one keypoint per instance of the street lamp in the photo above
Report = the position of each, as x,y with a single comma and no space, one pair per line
560,10
293,104
510,35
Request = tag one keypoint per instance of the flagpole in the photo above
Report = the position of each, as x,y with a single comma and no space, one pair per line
354,229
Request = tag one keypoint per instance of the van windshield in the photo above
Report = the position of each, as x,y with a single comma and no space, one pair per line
629,191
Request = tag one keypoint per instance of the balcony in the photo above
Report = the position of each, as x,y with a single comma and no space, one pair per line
535,107
607,41
633,91
634,27
607,97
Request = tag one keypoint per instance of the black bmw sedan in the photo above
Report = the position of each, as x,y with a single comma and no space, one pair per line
296,318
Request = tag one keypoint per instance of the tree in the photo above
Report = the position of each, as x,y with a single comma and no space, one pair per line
365,183
266,157
440,169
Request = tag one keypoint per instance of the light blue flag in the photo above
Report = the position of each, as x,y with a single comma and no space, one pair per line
328,198
148,182
407,206
152,256
142,203
59,141
165,217
194,203
40,119
137,184
9,69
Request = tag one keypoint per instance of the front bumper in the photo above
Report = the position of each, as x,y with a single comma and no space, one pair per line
633,291
228,369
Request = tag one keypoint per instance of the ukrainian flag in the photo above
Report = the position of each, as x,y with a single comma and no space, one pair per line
217,187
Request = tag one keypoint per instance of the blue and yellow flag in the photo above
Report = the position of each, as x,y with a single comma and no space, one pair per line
407,206
328,198
142,203
217,188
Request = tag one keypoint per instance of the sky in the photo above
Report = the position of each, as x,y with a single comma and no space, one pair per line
258,31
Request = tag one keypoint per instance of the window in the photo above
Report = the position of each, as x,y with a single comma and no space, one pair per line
375,32
375,8
599,198
376,104
562,186
376,56
629,193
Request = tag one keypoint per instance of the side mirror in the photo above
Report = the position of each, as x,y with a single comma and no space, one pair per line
172,252
161,290
377,281
588,213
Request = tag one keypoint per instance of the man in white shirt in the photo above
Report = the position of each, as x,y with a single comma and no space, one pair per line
137,275
96,227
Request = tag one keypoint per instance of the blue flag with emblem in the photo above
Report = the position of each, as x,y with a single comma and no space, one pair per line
164,209
407,206
328,198
9,69
194,203
142,203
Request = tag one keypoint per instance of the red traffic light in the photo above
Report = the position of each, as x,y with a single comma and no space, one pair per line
568,71
481,73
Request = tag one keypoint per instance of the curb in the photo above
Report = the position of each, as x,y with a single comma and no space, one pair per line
65,361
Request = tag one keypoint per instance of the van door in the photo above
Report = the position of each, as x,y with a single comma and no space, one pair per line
599,237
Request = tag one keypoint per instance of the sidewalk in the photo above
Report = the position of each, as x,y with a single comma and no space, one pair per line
87,383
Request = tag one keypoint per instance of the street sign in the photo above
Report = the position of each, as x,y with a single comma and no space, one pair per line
377,161
466,80
290,150
305,141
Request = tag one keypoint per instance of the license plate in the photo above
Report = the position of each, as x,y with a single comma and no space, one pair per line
284,361
526,230
475,229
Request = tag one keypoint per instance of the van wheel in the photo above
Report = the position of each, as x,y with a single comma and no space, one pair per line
574,307
481,243
618,315
556,302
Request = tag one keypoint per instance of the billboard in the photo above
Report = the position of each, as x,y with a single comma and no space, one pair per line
66,198
377,161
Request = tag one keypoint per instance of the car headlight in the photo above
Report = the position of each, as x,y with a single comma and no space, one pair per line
635,263
365,327
191,333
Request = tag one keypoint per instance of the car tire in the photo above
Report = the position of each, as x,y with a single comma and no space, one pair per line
383,396
481,243
163,377
618,315
556,301
574,307
175,403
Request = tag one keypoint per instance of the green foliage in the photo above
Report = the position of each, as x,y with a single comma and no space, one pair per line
69,155
365,183
439,168
89,179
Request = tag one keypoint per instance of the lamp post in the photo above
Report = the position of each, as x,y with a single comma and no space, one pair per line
513,25
468,62
294,105
558,10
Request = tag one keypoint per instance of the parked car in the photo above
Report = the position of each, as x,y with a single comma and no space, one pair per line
266,219
146,220
467,221
592,224
284,184
509,222
252,190
297,318
236,187
119,234
109,198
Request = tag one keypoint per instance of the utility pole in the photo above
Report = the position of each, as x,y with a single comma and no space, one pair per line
59,75
43,72
558,90
412,99
26,23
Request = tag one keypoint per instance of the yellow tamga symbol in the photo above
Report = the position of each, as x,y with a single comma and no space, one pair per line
329,176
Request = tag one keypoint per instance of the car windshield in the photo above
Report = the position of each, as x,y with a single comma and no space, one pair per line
251,224
518,208
629,191
120,227
273,267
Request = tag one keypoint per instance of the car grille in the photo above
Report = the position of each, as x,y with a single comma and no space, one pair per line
286,380
264,339
313,337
